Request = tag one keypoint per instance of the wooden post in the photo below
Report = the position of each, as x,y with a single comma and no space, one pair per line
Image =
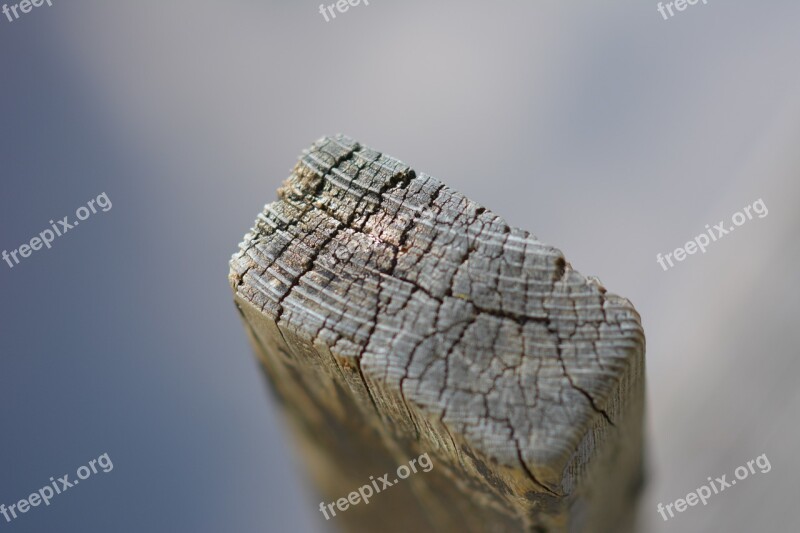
394,317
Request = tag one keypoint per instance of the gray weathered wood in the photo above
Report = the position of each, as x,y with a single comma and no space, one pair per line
396,317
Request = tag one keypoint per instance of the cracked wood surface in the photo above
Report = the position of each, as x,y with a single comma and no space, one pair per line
395,317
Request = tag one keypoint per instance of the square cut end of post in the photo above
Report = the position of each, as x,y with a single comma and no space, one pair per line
395,317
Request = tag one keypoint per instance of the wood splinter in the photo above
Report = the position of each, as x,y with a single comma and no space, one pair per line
395,317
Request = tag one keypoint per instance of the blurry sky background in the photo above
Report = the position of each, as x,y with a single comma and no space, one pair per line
605,130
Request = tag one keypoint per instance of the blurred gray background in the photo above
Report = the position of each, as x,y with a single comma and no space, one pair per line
603,129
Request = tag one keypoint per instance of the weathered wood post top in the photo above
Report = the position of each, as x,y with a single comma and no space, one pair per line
395,317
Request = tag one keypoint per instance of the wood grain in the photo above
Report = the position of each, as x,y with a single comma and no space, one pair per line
395,317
